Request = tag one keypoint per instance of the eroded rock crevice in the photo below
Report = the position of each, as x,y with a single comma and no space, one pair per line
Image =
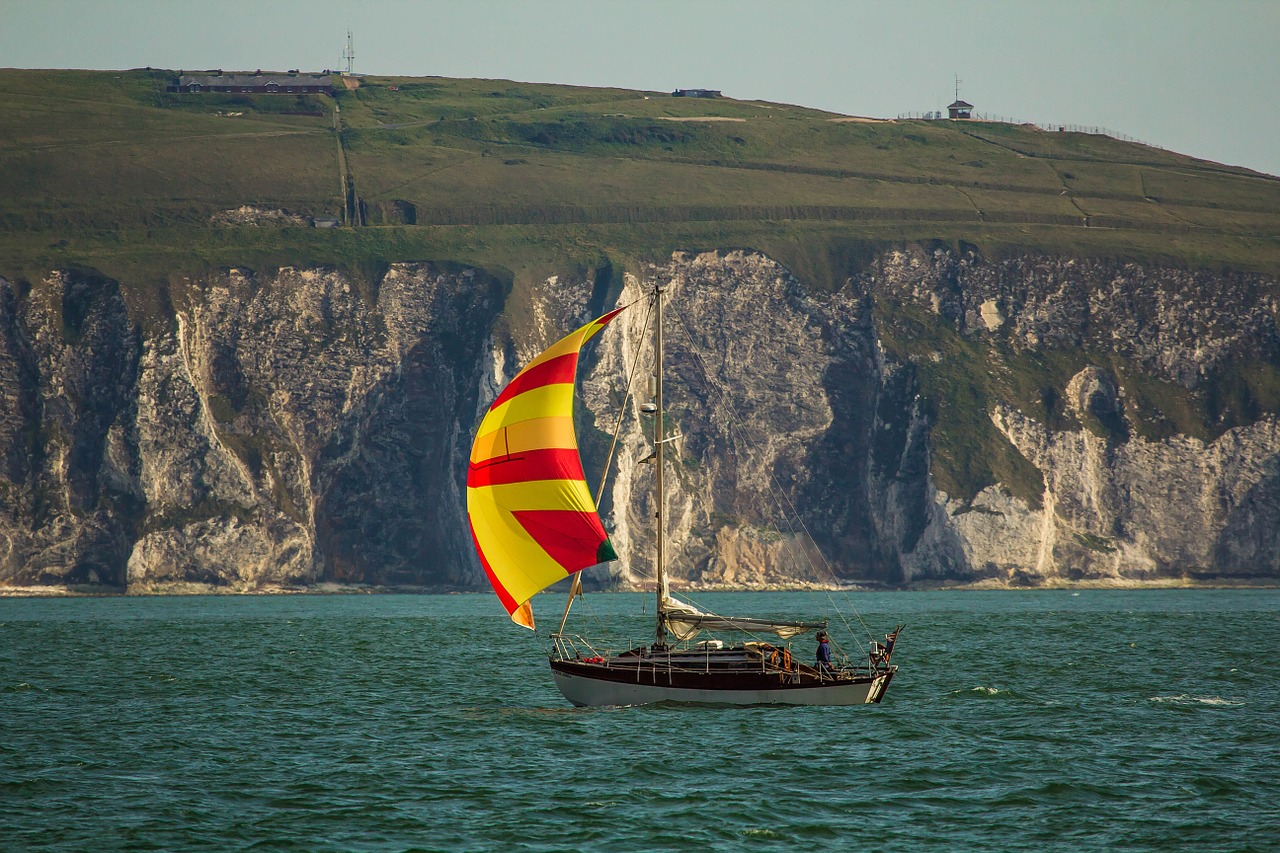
935,417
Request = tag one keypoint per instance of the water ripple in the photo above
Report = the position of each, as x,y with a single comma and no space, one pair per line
427,723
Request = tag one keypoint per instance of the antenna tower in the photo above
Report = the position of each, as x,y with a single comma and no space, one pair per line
957,80
349,55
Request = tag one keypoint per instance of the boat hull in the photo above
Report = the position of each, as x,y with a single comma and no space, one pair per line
587,685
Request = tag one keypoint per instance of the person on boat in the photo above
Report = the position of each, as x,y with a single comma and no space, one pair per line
824,653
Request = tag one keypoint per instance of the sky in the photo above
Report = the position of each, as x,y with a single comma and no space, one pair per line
1193,76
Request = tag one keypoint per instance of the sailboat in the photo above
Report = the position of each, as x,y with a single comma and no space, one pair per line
534,522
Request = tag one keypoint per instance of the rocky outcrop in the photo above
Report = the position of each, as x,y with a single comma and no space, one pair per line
1178,325
1140,509
937,417
247,214
1158,473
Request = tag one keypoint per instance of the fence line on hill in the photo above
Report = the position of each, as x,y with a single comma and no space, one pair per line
1059,127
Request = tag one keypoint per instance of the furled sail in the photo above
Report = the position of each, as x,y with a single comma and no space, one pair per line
533,519
685,621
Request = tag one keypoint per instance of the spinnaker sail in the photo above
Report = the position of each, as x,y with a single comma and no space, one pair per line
533,518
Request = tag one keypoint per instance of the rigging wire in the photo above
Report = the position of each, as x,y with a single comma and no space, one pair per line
622,408
779,494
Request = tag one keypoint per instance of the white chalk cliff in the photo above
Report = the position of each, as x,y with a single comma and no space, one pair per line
297,426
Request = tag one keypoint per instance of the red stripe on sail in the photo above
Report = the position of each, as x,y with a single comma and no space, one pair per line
570,538
556,371
505,597
553,463
603,321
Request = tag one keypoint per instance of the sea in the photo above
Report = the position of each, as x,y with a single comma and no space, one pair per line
1042,720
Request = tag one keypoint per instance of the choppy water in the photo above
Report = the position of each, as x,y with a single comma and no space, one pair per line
1019,721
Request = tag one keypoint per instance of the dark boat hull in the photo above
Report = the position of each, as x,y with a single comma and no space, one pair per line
611,683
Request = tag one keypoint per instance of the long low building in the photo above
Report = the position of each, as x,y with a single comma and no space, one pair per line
266,83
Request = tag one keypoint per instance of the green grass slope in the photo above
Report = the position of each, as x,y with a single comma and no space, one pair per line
107,169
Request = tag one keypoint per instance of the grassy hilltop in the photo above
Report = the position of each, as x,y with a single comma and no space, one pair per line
107,170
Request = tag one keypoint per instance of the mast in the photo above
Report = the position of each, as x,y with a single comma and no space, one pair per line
659,515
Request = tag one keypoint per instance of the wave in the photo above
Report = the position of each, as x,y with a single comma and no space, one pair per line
1188,699
763,833
23,687
979,692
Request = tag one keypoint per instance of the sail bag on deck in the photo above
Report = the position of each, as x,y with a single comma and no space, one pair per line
533,519
685,621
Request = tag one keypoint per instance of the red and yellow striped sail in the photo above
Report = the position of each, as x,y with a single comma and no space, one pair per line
533,519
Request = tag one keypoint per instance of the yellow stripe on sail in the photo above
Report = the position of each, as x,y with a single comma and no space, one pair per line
522,436
570,343
527,568
544,401
523,615
534,494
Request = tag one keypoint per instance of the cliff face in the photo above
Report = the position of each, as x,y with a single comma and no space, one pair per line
275,430
68,371
1155,448
784,402
939,416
